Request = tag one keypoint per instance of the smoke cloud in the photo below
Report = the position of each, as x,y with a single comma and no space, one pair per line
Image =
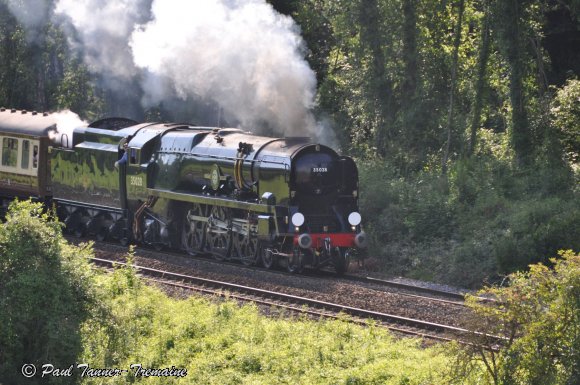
66,122
241,55
33,15
101,30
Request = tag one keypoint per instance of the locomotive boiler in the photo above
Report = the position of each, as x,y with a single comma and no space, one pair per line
220,191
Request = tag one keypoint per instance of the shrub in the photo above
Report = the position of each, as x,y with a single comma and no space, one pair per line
44,293
486,219
413,208
223,343
538,314
566,117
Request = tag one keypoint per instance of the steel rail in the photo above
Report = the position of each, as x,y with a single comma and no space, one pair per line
300,309
455,298
460,296
337,308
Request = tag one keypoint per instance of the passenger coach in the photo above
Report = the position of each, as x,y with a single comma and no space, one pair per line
24,163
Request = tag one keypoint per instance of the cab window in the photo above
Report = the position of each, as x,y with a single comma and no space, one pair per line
133,156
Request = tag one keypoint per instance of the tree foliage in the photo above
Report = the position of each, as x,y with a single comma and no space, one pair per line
397,68
566,113
538,315
45,293
39,71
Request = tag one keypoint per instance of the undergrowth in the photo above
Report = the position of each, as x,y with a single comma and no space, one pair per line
486,218
223,343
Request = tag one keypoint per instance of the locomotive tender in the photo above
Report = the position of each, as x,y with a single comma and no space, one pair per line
200,189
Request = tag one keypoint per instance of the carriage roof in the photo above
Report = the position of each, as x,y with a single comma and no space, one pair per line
26,122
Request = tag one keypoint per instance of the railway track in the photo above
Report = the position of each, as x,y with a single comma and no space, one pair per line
398,324
405,289
405,286
444,296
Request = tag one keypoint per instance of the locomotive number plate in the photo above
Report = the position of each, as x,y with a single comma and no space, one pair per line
136,180
319,169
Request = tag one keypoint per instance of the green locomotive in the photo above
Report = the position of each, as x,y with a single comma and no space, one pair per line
220,191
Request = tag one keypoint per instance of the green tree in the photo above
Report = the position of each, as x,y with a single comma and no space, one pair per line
538,315
510,26
413,128
379,85
38,70
77,93
482,63
44,293
453,86
566,117
17,84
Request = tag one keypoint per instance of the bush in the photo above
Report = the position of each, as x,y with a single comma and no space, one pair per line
538,314
566,117
485,219
223,343
411,209
44,293
515,215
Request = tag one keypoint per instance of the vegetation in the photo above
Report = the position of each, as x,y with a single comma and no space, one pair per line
485,218
46,293
538,314
462,114
54,309
39,72
566,116
222,343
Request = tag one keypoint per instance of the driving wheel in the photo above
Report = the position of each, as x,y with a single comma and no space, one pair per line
219,233
194,230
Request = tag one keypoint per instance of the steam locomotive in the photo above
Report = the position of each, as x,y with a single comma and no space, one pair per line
220,191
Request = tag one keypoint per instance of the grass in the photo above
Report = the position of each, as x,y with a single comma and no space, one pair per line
223,343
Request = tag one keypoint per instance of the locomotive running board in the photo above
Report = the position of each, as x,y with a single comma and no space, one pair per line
214,201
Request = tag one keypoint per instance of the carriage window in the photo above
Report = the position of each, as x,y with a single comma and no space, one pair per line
35,157
9,152
25,159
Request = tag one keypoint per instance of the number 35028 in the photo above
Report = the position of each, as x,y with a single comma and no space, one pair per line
136,181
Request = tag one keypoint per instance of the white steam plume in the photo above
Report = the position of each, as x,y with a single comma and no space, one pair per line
66,122
33,15
239,54
102,31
